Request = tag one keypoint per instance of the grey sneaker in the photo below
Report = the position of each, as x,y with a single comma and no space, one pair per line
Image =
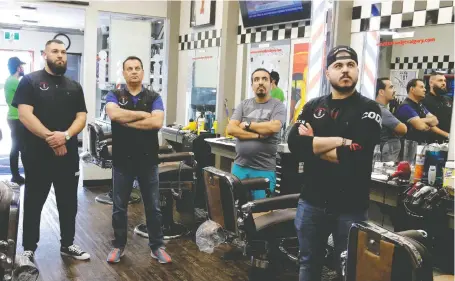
161,255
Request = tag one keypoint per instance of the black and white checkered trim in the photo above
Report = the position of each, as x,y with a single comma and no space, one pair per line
423,62
198,40
273,32
399,14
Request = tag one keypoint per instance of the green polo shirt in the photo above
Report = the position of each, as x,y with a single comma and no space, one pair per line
277,93
10,89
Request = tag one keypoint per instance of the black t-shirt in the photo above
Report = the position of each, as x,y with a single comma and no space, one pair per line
56,100
342,187
441,107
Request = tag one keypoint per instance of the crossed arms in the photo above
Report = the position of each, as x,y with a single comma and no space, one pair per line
257,130
140,120
305,145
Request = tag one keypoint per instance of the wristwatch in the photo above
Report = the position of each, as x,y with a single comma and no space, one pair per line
67,136
247,125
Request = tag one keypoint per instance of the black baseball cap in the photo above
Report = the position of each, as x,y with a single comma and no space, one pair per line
332,56
14,62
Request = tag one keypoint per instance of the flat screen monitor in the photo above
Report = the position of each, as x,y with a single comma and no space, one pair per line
257,13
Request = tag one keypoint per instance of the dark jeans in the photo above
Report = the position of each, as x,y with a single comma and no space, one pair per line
16,128
149,185
314,226
38,181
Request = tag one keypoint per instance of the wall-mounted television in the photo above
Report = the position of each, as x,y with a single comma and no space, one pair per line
257,13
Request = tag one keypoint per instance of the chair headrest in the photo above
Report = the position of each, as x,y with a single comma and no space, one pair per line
96,130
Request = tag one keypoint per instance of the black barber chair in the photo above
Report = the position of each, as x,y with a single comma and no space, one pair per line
12,267
265,225
177,183
100,149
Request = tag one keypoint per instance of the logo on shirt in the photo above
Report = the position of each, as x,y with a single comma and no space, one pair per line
319,112
374,116
44,86
123,100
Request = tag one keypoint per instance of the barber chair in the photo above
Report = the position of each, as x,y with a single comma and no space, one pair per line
376,254
12,267
265,225
100,149
177,173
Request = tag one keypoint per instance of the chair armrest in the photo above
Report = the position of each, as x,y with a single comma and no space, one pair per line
256,183
176,157
105,142
270,204
108,135
165,149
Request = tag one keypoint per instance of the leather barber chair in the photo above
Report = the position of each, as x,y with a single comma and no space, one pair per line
177,173
263,224
177,183
12,267
376,254
100,149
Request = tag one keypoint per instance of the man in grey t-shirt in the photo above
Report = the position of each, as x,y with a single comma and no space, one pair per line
392,128
256,123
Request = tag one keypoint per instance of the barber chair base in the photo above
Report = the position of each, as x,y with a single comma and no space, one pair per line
175,231
106,198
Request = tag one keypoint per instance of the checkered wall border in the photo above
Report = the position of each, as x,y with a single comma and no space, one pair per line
198,40
273,32
423,62
400,14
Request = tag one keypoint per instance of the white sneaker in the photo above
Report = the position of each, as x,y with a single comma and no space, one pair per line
75,252
29,254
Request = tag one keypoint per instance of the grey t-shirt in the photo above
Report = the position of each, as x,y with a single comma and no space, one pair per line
389,122
258,154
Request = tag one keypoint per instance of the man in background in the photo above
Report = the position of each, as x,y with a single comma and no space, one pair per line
276,92
392,129
438,103
16,70
256,123
421,123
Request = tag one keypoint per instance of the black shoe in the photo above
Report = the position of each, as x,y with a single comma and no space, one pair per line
141,230
74,251
18,179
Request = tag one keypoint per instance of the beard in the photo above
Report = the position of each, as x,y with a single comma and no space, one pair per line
344,89
55,68
439,91
260,95
21,73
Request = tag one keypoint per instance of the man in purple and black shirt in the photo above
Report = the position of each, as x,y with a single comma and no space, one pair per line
422,124
136,115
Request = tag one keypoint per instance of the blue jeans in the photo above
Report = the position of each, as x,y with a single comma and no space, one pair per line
314,226
250,173
149,185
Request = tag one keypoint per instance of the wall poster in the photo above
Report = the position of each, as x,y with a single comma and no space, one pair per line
299,79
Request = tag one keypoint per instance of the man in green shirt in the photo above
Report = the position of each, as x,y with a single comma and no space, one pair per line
16,70
276,92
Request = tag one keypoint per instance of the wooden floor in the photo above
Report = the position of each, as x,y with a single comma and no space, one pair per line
94,234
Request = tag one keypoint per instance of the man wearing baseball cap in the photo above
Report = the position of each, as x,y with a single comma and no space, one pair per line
16,70
335,136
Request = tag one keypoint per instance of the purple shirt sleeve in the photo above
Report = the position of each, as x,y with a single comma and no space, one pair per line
406,113
158,104
111,98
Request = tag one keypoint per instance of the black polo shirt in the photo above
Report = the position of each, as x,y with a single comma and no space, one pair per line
441,107
56,100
